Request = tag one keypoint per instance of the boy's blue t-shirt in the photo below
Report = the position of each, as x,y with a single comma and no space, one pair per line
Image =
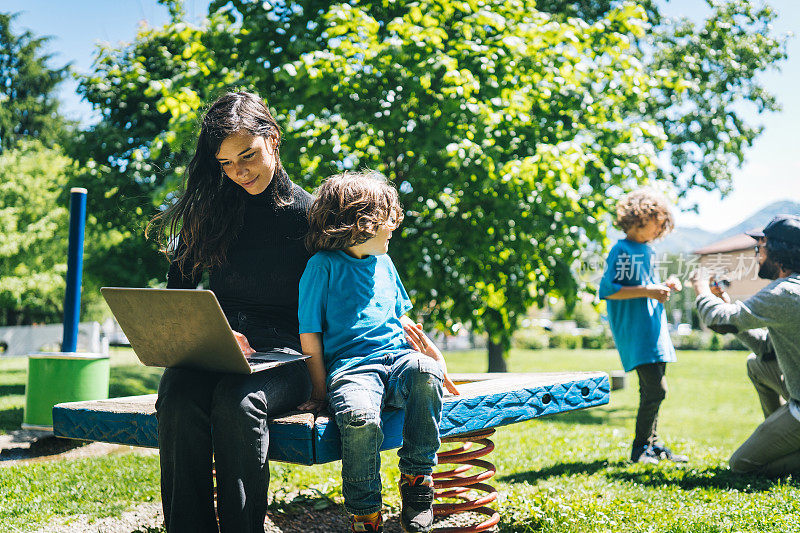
356,304
639,325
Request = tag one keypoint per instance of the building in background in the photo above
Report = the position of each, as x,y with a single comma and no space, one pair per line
734,259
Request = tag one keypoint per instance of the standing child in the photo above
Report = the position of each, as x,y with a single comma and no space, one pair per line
353,325
635,302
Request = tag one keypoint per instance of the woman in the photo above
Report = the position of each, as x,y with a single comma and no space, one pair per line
243,221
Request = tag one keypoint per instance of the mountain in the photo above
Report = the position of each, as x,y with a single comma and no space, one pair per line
760,219
687,239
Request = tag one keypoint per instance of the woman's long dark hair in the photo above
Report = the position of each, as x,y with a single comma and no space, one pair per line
210,208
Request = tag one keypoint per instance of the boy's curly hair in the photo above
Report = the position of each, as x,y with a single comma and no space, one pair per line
636,208
349,209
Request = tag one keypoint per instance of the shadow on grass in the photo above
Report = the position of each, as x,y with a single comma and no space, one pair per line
12,390
133,380
602,415
42,447
10,419
657,477
689,479
558,470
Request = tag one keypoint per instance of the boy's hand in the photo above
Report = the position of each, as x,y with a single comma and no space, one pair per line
450,386
313,406
674,283
658,292
415,336
720,293
244,344
420,342
700,280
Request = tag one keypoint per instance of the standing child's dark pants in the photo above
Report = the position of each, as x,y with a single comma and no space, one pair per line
652,390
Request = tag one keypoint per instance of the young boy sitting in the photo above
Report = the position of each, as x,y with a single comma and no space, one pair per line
353,325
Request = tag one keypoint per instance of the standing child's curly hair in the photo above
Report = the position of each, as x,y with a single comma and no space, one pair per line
349,209
636,208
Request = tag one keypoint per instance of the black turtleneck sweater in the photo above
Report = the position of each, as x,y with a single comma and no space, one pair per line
257,285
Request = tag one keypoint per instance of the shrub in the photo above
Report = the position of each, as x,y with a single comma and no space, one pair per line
598,341
565,341
696,340
715,343
531,339
733,343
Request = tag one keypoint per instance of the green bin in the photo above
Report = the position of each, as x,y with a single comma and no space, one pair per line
62,377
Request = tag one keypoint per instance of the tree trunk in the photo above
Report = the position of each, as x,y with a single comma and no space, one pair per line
497,360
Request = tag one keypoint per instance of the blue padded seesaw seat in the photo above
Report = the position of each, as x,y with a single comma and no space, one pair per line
486,401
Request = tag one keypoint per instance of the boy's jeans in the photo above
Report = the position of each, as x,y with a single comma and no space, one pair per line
356,396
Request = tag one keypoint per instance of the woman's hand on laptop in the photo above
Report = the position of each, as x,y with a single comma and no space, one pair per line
244,344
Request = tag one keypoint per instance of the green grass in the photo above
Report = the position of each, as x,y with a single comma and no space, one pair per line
565,473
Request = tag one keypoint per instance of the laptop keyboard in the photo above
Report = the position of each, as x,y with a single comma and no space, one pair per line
258,359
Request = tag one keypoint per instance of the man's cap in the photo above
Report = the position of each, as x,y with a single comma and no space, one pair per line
782,228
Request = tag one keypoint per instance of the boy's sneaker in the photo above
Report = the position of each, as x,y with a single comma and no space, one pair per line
643,455
662,452
371,523
416,493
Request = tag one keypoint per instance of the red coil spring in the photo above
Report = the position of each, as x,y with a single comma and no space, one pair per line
456,483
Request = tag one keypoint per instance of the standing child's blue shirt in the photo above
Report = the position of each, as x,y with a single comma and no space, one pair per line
639,325
356,304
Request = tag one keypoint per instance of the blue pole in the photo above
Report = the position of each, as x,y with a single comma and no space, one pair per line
72,300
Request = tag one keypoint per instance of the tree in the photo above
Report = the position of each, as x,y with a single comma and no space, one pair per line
508,130
133,160
28,104
718,60
33,243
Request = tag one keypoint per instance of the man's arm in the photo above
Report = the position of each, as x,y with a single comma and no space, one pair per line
758,341
714,312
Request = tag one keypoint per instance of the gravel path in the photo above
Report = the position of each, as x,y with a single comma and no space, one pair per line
23,447
148,519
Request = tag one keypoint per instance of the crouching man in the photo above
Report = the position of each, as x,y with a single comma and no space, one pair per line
770,319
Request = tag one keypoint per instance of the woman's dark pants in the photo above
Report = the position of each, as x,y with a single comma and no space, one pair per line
201,414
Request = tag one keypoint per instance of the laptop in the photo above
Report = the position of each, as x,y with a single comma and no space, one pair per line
185,328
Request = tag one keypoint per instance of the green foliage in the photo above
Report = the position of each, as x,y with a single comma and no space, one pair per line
565,341
715,344
733,343
508,130
598,341
33,243
536,339
716,65
531,339
696,340
28,104
583,313
149,93
500,136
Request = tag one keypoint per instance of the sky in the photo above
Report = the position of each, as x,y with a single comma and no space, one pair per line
770,173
